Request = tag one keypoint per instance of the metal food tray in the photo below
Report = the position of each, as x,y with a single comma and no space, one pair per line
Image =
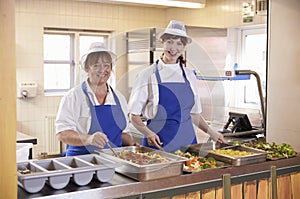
173,167
256,157
270,152
202,149
57,172
273,159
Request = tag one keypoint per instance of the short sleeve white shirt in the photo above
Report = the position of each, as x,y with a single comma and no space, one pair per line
74,111
145,96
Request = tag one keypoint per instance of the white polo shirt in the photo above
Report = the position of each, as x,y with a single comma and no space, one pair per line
144,95
74,111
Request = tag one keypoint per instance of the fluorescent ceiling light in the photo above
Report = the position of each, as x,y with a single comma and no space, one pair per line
181,4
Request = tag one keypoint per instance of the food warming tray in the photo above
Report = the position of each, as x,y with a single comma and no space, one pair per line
202,149
173,167
57,172
256,157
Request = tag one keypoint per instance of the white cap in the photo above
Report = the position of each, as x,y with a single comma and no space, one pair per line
97,47
177,28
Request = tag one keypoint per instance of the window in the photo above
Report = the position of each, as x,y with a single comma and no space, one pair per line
62,53
253,45
58,62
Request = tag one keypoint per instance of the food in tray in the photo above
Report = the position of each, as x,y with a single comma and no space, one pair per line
24,170
196,163
238,155
275,151
232,152
142,158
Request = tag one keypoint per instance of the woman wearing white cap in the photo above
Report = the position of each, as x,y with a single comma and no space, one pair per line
92,114
166,95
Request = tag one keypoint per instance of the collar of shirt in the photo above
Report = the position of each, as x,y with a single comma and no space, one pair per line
109,98
161,65
170,72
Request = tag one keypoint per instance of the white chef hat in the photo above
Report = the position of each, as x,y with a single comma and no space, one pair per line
97,47
177,28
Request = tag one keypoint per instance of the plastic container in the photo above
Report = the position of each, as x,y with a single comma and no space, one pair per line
104,168
34,183
84,174
58,172
22,151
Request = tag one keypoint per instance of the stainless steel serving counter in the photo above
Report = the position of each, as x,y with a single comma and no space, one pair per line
122,187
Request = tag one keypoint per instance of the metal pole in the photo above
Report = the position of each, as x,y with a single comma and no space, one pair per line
226,186
274,182
250,72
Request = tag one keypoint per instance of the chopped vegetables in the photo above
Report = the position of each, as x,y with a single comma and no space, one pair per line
195,163
275,151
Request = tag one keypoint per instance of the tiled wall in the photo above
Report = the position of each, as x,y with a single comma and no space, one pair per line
33,15
217,13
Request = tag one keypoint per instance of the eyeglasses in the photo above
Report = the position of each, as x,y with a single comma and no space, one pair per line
104,65
173,43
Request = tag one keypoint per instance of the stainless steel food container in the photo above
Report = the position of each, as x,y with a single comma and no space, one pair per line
256,157
173,167
57,172
201,149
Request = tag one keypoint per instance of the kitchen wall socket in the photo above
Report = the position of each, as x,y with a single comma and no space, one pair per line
26,90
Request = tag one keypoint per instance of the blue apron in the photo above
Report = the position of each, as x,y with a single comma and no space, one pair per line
173,123
108,119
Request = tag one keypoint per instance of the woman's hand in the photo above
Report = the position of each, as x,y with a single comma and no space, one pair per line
136,144
127,140
97,139
199,121
218,137
154,140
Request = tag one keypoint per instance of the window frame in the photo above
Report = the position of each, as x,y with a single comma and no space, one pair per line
74,61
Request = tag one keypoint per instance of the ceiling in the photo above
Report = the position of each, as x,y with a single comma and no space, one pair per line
150,3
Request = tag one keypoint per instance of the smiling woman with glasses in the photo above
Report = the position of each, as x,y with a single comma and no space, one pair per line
94,115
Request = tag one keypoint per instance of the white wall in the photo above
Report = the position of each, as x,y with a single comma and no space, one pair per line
283,89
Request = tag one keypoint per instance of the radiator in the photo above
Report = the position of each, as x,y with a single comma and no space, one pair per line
52,145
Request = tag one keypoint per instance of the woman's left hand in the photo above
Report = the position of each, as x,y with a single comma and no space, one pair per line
154,141
218,137
136,144
221,139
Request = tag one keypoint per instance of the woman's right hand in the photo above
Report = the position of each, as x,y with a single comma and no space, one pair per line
97,139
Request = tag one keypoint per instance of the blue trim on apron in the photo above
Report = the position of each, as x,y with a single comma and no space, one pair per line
172,122
108,119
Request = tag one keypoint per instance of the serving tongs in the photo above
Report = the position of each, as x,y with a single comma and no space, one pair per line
110,147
